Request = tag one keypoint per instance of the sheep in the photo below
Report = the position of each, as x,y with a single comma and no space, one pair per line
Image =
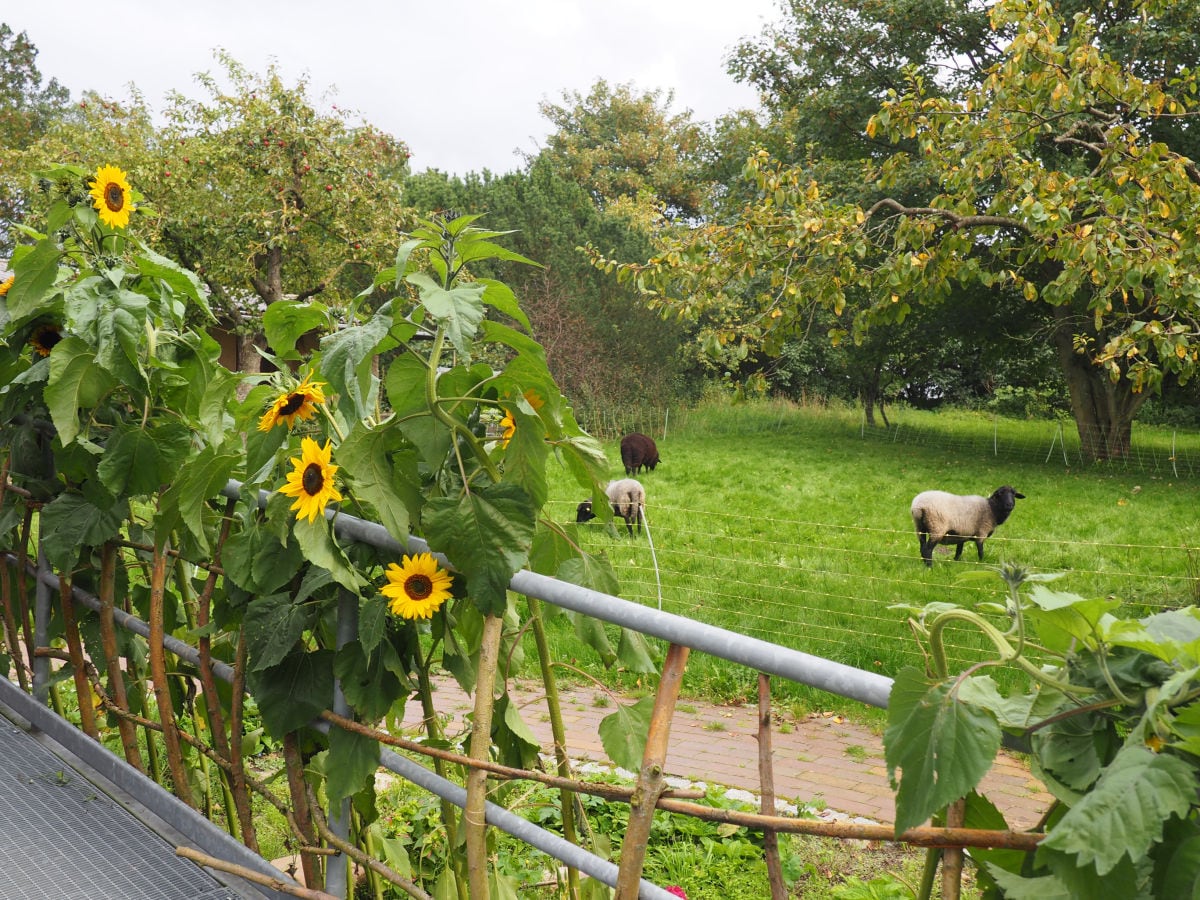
638,450
628,499
943,518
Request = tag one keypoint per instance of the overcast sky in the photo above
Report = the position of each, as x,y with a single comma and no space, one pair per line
460,82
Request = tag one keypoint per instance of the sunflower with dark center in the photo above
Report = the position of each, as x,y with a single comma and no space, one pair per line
299,403
417,588
110,196
311,479
44,337
6,286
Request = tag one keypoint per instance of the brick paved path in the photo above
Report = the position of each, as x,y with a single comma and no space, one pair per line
820,761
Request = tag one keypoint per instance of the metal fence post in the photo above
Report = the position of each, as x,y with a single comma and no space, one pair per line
41,629
339,814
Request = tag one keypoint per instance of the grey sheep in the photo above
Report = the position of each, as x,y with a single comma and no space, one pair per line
628,499
943,518
638,450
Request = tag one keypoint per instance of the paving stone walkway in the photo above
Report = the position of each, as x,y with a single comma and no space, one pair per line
820,761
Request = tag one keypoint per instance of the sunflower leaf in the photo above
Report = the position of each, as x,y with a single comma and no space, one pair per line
318,547
374,459
36,273
139,460
273,626
1124,814
623,733
285,321
346,360
353,759
290,694
486,535
76,382
942,745
458,310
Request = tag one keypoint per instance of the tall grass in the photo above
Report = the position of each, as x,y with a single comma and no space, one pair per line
792,525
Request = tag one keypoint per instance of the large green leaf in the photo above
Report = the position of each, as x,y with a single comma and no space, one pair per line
256,561
500,296
1170,635
36,272
317,544
273,626
458,310
182,282
525,457
634,652
292,693
353,759
1180,870
70,523
141,460
198,480
371,683
486,535
76,383
372,621
942,746
1016,887
516,745
286,321
623,733
375,460
346,359
1063,619
1124,814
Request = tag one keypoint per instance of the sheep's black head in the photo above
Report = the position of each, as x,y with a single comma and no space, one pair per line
583,513
1003,500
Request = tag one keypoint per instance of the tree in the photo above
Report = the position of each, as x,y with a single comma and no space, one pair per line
266,198
605,348
625,147
27,109
1055,177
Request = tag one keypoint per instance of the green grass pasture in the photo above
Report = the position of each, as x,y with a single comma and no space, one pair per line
792,525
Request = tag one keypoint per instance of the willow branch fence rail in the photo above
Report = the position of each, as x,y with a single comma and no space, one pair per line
681,633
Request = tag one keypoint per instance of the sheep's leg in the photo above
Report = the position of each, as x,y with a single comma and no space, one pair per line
979,547
958,550
926,549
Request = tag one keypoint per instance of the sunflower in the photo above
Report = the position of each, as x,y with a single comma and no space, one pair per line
7,285
44,337
298,403
311,479
110,196
508,427
417,588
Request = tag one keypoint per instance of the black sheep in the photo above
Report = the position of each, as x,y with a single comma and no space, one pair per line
638,450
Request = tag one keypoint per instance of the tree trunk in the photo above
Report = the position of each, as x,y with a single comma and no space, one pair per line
1103,409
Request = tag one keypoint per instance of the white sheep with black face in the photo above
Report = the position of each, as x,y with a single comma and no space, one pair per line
944,518
628,499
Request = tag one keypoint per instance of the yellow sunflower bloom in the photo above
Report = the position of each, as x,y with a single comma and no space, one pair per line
311,479
44,337
298,403
110,196
508,427
418,588
7,285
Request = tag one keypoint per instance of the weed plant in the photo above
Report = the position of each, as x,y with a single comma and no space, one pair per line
792,525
